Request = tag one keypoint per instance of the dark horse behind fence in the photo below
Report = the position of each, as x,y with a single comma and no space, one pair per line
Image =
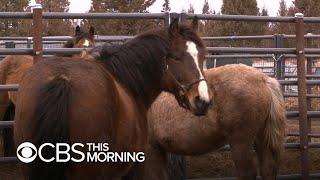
12,69
106,100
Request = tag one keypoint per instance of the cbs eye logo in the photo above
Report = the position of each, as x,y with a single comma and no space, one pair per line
27,152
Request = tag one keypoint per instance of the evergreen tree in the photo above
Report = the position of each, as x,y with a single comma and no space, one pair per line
166,6
53,27
234,28
137,6
14,27
284,28
310,8
206,7
283,10
239,7
122,27
191,9
263,27
209,27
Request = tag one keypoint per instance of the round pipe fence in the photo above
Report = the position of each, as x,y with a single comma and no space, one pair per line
299,52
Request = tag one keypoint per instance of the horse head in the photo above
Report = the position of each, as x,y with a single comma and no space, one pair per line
183,75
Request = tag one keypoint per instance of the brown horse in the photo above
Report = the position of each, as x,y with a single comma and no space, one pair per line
13,67
81,39
248,108
106,100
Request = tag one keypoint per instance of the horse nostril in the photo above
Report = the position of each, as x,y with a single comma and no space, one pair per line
199,103
201,106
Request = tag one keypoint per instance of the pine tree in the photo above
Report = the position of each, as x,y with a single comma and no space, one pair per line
283,10
206,7
233,28
263,27
210,27
137,6
310,8
240,7
122,27
14,27
280,27
166,6
53,27
191,9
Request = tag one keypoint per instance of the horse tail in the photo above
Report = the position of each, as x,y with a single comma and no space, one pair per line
4,96
274,132
51,126
4,68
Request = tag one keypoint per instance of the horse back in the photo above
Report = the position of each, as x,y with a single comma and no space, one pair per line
100,109
12,67
243,92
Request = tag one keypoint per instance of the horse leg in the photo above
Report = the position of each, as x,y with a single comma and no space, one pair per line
242,157
8,142
268,164
4,104
155,165
177,167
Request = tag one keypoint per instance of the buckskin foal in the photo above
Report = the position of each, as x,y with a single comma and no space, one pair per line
248,108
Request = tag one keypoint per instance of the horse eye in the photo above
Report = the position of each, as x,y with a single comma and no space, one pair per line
175,56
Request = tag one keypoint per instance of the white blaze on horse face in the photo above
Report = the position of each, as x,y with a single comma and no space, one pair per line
202,87
86,43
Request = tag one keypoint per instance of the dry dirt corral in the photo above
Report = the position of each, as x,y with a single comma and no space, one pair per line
220,164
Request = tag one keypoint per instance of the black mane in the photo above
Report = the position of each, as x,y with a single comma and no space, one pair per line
138,64
190,35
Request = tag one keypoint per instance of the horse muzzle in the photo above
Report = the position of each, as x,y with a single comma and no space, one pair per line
199,107
193,101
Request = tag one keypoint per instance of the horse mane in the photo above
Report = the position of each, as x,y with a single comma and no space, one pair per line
137,63
190,35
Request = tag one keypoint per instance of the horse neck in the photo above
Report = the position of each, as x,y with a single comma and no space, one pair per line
138,66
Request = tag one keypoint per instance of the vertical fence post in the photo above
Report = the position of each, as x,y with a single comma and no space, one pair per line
302,95
167,20
29,42
37,33
174,16
309,71
183,17
279,64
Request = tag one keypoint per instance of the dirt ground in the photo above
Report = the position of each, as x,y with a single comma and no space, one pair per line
220,164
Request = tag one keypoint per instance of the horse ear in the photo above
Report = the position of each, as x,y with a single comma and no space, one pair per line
77,30
174,28
91,31
195,23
